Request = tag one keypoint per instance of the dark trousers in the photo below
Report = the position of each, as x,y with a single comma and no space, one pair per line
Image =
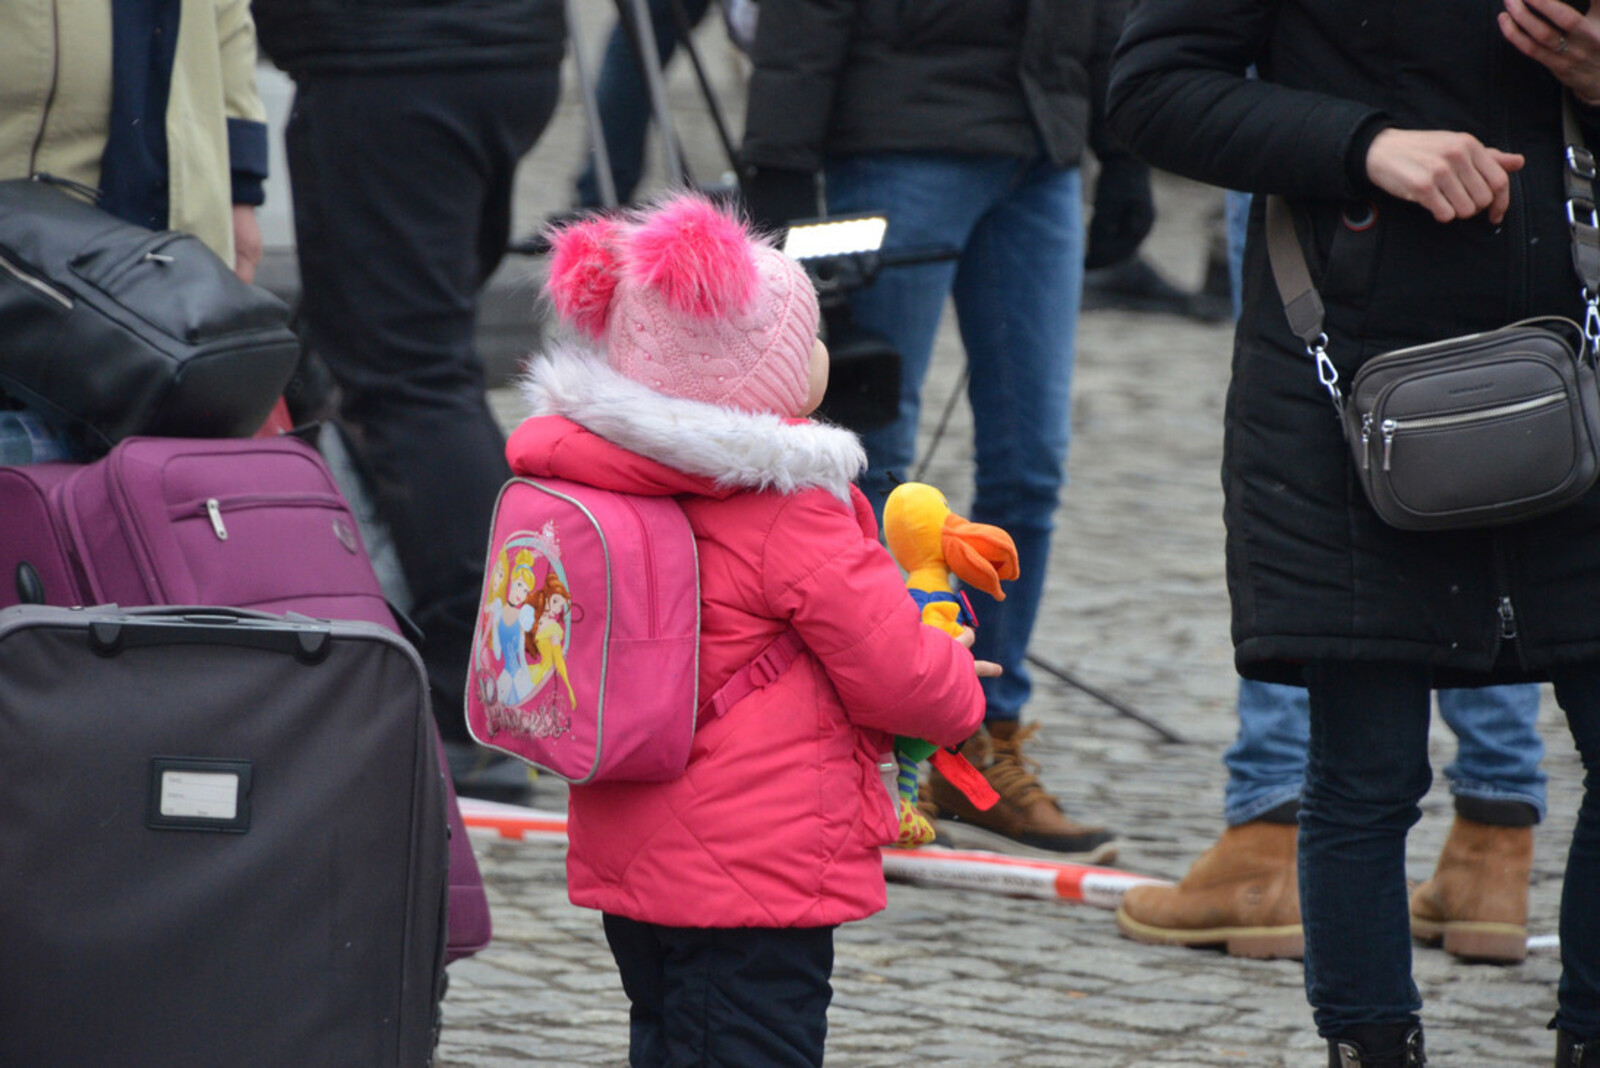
743,997
402,186
1367,769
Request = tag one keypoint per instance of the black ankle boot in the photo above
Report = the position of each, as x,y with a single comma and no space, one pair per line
1570,1053
1379,1046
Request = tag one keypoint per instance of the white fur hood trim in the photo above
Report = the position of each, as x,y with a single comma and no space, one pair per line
731,447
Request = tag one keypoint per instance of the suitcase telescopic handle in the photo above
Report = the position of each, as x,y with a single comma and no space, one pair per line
307,642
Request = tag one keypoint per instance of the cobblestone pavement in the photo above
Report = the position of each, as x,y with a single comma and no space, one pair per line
1136,609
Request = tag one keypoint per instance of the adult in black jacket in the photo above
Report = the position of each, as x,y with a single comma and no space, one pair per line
408,123
965,123
1420,147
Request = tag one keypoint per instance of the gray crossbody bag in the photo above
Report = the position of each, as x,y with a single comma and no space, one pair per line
1472,431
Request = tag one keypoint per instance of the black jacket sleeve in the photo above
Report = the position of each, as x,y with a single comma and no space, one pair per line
1181,100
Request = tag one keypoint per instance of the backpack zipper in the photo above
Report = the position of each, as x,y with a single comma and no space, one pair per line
649,577
38,285
1390,427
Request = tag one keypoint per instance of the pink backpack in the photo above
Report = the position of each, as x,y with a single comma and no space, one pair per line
585,661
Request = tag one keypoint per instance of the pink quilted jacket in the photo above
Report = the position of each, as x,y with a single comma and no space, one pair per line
780,816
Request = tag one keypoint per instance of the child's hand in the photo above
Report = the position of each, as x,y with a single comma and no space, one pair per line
987,669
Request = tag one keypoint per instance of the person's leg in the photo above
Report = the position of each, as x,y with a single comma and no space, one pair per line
1236,212
1578,1014
1366,771
1267,761
391,261
929,201
622,99
1019,231
641,961
735,997
1017,291
1498,748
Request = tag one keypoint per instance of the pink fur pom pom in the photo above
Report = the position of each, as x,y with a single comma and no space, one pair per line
584,270
699,259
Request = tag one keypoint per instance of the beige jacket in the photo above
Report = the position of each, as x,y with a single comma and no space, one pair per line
55,100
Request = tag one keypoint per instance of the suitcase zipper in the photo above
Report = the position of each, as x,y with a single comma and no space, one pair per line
36,284
213,507
213,511
1390,427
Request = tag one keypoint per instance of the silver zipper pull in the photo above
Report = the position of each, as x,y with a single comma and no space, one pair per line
1508,619
1366,439
214,512
1389,427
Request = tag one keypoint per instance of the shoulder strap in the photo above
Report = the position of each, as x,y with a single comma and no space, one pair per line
1301,301
760,673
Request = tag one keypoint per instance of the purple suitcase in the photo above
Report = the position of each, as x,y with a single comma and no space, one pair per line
254,523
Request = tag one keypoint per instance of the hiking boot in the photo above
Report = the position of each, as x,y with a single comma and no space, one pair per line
1242,894
1026,820
1378,1046
1476,904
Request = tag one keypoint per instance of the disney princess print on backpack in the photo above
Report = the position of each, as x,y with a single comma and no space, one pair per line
519,653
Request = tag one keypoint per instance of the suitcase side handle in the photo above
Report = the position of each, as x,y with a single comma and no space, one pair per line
307,642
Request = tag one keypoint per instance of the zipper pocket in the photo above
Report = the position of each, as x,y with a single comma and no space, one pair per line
1391,427
214,509
38,285
649,573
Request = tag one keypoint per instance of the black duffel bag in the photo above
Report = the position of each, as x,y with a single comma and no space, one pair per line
114,330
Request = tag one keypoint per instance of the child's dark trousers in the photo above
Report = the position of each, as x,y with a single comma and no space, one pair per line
720,997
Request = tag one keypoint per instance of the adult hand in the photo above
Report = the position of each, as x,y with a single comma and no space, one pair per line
1453,175
1561,39
1124,212
246,241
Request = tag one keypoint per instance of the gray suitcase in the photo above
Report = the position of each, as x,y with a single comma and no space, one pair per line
222,842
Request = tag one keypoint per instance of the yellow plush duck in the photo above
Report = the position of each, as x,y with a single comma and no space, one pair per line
931,544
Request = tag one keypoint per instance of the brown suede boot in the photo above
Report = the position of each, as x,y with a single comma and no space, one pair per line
1477,901
1026,819
1242,894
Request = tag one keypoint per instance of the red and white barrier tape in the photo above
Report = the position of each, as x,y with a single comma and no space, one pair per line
1084,884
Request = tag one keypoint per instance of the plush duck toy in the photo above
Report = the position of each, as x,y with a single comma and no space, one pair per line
931,544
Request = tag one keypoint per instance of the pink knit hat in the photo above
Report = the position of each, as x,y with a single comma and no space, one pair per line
685,300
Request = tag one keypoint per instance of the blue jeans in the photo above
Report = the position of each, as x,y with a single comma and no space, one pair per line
1498,748
1016,285
1236,212
1366,771
623,101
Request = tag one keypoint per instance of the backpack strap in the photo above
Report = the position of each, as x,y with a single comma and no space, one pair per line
760,673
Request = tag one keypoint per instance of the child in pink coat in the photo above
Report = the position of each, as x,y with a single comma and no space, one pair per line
698,363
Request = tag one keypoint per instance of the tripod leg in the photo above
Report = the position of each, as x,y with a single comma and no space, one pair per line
591,111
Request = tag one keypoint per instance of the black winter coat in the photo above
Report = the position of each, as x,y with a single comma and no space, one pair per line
988,77
386,35
1313,573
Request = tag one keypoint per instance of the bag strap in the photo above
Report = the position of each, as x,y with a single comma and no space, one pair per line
1303,306
760,673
